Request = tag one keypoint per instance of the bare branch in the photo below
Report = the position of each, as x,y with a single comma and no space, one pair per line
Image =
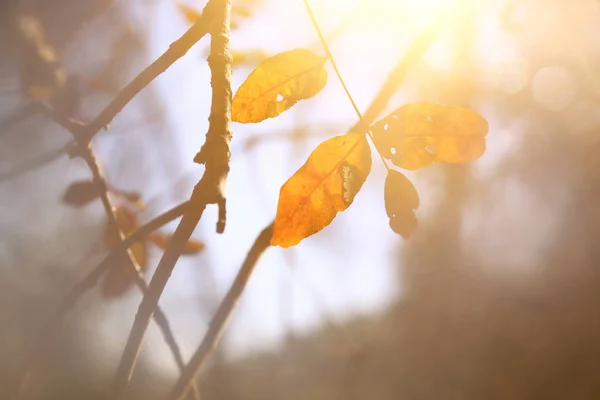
159,317
91,280
215,155
221,317
176,50
34,164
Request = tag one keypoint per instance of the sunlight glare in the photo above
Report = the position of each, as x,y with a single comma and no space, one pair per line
384,13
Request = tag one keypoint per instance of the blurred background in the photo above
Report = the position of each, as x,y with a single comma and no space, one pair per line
496,296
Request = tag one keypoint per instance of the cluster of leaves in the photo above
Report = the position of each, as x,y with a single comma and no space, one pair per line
413,136
120,278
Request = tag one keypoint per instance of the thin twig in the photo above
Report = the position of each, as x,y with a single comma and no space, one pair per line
215,155
82,148
330,56
221,317
87,154
339,75
84,133
219,321
176,50
91,280
159,316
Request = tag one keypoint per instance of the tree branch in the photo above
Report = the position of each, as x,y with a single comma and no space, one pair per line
85,132
91,280
215,155
159,317
176,50
219,321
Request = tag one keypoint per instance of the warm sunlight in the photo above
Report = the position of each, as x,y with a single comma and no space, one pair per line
320,199
364,23
383,13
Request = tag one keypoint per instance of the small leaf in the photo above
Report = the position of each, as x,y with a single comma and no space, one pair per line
326,184
419,134
278,83
134,198
122,276
190,14
162,241
401,201
81,193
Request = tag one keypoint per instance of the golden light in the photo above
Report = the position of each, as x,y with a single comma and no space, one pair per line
383,13
387,26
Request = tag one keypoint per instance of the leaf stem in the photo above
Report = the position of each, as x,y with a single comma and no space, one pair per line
338,73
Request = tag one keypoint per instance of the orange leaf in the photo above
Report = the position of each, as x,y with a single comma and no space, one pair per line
326,184
162,241
278,83
121,277
401,201
419,134
80,193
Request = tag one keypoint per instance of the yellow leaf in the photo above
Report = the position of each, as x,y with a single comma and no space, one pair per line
419,134
189,13
326,184
278,83
401,201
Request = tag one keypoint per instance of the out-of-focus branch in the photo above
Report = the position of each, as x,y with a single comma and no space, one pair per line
36,163
176,50
221,317
159,316
85,132
84,150
215,155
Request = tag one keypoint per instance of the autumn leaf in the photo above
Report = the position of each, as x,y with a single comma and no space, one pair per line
401,201
419,134
81,193
134,198
326,184
278,83
122,276
162,241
